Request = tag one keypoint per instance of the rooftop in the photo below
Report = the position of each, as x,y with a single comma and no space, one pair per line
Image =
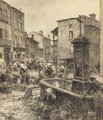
32,39
11,6
91,16
55,30
39,34
66,19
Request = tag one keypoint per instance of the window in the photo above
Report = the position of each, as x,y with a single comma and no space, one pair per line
5,13
70,26
14,14
15,24
20,26
5,33
70,35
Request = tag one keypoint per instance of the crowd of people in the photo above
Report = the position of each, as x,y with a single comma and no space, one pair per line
27,70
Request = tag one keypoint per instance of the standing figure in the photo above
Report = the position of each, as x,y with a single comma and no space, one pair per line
49,71
2,69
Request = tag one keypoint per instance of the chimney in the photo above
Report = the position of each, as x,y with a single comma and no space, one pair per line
49,36
41,32
92,16
32,36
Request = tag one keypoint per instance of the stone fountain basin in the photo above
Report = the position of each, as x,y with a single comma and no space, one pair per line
63,91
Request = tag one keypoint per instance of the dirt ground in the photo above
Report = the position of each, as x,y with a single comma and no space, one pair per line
14,107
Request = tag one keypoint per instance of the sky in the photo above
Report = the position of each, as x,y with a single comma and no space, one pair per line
43,14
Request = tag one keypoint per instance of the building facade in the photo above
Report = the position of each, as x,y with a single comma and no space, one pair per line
47,49
68,29
12,35
5,31
31,48
44,45
17,33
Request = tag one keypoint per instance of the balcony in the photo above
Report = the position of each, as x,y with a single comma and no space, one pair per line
5,42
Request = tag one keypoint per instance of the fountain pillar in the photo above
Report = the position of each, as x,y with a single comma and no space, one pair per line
81,60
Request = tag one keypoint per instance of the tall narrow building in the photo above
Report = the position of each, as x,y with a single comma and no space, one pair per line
5,30
17,33
12,33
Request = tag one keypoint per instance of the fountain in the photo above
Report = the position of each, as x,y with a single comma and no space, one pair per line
72,89
81,60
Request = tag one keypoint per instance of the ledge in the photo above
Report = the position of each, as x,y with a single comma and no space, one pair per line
61,90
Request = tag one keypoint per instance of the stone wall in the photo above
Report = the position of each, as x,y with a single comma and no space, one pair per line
44,44
17,25
5,19
47,49
31,48
93,35
64,38
62,94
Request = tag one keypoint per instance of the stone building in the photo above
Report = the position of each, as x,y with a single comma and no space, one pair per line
5,30
31,47
17,33
68,29
12,35
44,45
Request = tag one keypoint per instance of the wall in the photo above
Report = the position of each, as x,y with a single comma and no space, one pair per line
64,40
31,48
18,33
5,19
62,94
5,31
55,52
47,49
17,24
93,35
38,38
89,21
44,45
